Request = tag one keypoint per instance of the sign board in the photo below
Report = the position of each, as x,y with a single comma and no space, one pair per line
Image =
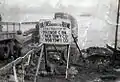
56,32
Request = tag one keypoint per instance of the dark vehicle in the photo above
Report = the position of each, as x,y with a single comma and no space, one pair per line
10,47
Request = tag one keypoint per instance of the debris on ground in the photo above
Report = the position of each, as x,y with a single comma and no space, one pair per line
72,71
96,67
108,77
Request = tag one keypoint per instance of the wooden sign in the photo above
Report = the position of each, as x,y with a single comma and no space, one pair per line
56,32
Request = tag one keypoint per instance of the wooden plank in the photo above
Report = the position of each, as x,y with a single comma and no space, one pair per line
15,74
67,62
23,73
38,66
32,22
27,55
18,60
31,51
9,23
6,68
5,32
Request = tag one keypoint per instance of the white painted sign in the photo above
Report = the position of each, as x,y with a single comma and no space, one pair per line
56,33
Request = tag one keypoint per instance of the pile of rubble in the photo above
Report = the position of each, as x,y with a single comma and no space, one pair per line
97,60
95,68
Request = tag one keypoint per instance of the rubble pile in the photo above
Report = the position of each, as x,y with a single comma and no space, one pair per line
97,61
97,56
95,67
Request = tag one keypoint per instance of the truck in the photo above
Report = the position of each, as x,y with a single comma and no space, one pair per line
10,47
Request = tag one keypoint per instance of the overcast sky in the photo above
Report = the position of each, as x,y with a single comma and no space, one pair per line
94,7
83,3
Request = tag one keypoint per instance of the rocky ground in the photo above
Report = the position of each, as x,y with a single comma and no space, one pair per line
93,69
79,70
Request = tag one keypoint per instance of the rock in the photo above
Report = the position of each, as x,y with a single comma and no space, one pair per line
11,78
20,71
117,70
20,79
43,73
32,63
97,80
72,71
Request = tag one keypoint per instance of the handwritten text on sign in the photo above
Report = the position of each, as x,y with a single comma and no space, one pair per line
52,35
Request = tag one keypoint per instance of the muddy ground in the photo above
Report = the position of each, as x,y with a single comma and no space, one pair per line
79,70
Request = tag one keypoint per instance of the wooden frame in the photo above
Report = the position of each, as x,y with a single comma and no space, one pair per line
43,49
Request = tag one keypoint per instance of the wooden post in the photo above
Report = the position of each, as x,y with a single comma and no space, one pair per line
68,56
116,33
28,59
13,27
19,26
23,72
15,74
45,56
77,45
7,27
7,30
39,61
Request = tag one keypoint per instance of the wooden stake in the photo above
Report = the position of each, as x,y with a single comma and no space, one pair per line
45,56
7,30
13,27
38,66
7,27
29,59
23,72
68,52
15,74
116,33
19,26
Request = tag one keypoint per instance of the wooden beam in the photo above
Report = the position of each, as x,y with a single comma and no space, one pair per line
15,74
39,61
68,53
116,32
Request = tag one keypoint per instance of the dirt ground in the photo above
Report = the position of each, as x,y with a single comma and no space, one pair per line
83,72
87,72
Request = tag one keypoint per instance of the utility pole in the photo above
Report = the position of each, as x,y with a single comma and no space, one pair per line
116,32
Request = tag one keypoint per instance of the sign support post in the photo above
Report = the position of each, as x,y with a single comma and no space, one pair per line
68,56
55,32
39,61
